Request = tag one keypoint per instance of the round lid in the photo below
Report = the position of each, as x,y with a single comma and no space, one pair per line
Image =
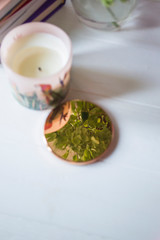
79,132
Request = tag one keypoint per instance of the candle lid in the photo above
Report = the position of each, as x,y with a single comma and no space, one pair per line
79,132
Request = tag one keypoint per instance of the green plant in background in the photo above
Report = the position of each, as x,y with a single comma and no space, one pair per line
86,135
108,4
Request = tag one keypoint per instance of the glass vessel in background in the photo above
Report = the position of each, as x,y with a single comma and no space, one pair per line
97,14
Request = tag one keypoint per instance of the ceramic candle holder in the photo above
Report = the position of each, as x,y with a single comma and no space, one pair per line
37,58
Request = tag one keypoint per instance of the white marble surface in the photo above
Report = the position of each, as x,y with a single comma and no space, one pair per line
118,198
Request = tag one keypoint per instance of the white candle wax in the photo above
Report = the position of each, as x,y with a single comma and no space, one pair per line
37,62
39,55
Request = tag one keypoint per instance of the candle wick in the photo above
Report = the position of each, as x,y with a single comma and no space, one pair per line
39,68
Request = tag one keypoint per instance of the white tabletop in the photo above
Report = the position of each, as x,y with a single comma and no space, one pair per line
44,198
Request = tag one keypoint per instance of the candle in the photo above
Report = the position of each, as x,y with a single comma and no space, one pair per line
37,59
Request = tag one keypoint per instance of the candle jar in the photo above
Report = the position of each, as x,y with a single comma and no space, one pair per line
103,14
37,59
